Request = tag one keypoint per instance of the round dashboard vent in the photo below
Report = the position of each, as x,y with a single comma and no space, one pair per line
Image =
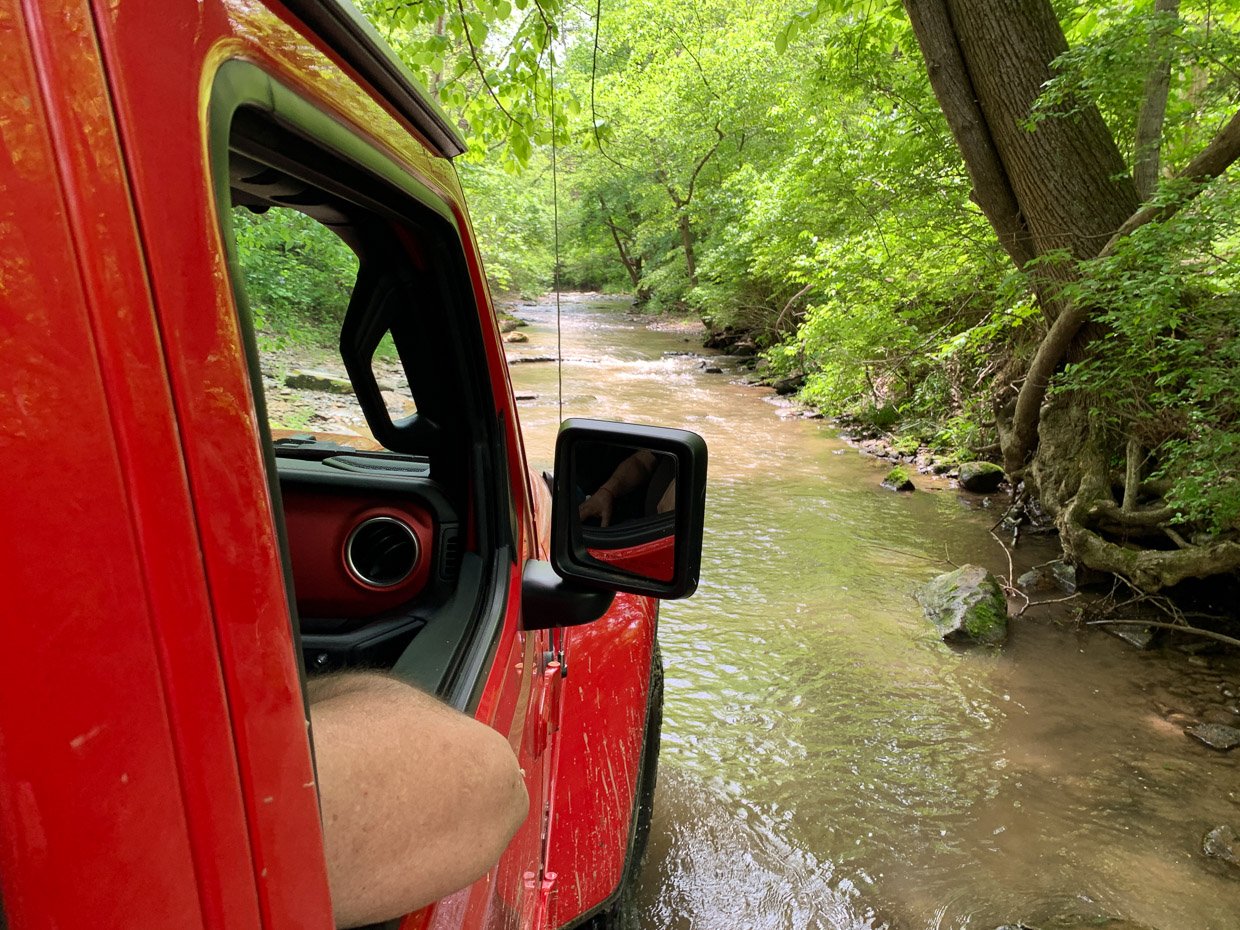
381,551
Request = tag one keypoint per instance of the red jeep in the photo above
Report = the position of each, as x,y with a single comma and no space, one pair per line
175,567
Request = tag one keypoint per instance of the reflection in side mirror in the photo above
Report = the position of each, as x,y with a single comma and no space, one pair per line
629,507
628,522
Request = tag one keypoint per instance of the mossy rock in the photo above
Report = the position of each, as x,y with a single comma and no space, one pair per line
966,606
325,381
980,477
898,479
906,445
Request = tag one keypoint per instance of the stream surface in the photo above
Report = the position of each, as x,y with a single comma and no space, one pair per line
827,762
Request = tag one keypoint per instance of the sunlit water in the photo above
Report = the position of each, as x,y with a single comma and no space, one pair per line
827,762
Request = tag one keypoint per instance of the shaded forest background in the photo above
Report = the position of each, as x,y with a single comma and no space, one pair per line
995,229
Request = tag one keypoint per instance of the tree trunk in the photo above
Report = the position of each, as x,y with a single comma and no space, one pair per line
1071,184
686,241
632,263
1148,141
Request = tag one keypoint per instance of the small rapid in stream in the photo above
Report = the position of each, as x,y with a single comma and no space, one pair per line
827,762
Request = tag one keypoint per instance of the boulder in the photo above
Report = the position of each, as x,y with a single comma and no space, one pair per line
1216,736
980,477
516,337
508,323
713,370
898,480
1223,842
966,606
306,380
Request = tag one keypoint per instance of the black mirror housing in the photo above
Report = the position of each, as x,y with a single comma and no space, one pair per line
629,504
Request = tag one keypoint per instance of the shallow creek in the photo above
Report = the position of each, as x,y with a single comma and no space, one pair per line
827,762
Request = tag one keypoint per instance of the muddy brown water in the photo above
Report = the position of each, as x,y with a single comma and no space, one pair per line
826,761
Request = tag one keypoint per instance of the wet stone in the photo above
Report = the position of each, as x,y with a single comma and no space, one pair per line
516,337
713,370
1223,842
306,380
1216,736
1051,576
898,480
966,606
980,477
1139,637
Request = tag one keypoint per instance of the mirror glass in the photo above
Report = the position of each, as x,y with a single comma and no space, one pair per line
626,508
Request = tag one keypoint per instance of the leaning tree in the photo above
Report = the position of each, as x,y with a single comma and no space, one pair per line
1059,196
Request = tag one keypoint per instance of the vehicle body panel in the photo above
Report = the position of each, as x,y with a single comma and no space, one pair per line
166,779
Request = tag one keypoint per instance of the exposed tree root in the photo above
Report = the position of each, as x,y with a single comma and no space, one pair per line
1149,570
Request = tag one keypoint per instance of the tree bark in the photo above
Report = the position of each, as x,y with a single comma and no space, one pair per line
954,90
686,242
1148,142
1070,181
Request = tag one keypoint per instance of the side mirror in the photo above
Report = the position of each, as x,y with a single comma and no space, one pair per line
629,503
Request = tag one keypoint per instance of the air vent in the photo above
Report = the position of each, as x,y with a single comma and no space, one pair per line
381,552
449,552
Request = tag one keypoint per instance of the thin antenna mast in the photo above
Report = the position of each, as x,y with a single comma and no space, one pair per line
555,223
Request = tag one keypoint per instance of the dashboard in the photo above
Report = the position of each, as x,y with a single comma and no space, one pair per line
375,547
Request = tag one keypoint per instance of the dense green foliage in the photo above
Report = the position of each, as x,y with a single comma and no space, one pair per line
298,274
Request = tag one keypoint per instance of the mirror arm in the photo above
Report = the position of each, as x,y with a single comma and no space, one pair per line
548,601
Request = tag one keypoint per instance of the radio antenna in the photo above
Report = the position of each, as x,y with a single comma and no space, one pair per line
555,224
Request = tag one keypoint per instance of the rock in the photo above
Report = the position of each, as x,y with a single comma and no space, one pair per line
722,339
966,606
529,359
307,380
525,395
509,323
898,480
786,386
1050,576
1141,637
1215,735
980,477
516,337
742,347
713,370
1223,842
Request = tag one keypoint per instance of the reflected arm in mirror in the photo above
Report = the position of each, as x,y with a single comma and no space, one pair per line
634,472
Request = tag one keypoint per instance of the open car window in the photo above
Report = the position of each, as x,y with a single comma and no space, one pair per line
368,361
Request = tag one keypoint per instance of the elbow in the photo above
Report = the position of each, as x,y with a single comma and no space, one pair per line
510,802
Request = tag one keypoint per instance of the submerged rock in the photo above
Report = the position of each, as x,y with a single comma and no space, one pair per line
1141,637
306,380
980,477
966,606
1050,576
1223,842
898,480
1216,736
